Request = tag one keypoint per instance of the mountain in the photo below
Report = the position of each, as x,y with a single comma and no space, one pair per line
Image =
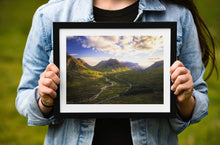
131,65
81,60
110,65
155,65
74,63
84,63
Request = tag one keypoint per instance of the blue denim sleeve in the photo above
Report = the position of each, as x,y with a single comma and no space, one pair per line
190,56
35,60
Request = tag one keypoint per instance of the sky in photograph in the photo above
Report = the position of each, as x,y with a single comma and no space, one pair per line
144,50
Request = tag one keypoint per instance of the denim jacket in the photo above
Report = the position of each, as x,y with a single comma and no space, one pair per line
39,53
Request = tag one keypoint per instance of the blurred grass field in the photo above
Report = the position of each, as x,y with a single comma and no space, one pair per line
15,23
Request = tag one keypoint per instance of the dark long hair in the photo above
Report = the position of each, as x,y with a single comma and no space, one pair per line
205,38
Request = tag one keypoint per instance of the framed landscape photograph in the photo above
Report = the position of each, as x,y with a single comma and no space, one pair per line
114,69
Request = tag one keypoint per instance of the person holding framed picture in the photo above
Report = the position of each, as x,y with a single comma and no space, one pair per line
40,79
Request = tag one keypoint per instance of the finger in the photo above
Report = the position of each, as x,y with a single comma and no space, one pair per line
175,65
43,90
52,75
53,67
49,83
179,71
188,86
179,80
43,74
183,96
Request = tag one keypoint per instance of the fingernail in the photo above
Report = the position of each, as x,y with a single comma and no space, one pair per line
175,93
172,88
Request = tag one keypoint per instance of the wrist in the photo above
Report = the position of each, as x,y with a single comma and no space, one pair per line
44,108
185,109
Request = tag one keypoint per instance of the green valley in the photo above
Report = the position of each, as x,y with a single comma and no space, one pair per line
110,82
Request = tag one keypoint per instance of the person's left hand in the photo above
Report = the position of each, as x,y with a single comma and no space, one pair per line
183,87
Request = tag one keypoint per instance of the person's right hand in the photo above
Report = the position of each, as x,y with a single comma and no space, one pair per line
47,86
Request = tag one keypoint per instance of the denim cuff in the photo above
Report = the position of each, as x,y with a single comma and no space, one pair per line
35,116
199,112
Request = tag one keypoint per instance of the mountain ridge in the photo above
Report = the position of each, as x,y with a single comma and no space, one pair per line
133,66
155,65
110,65
74,64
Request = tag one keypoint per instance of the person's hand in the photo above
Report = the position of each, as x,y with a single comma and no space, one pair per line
47,86
183,87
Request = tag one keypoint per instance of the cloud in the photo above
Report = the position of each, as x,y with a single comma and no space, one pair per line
117,45
103,43
146,43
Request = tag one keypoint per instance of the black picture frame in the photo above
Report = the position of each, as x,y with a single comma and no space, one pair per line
65,33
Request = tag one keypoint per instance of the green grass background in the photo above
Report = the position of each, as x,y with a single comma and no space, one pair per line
15,23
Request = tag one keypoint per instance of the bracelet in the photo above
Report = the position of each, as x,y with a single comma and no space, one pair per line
45,105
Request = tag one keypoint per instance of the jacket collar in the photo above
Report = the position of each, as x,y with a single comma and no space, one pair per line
87,5
151,5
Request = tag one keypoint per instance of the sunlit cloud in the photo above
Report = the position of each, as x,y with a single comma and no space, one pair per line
144,50
117,45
